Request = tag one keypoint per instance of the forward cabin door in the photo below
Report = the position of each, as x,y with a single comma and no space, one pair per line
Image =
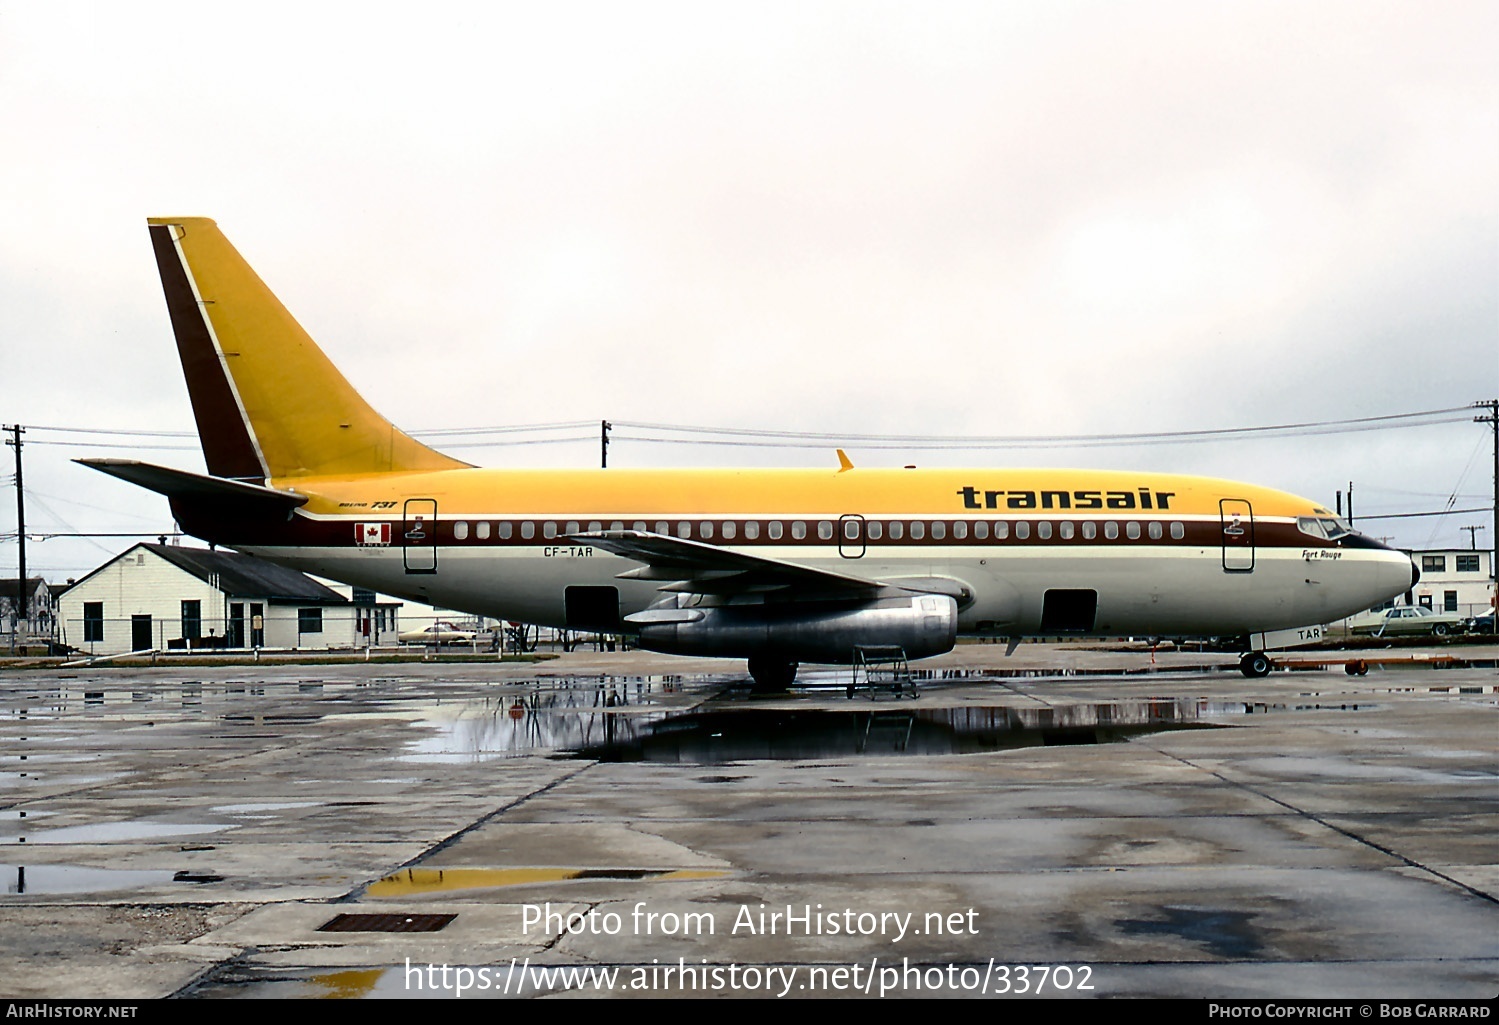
1237,520
419,535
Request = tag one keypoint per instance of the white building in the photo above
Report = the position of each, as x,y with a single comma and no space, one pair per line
166,596
37,622
1454,580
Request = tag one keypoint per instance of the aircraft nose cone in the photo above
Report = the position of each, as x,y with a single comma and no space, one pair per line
1415,574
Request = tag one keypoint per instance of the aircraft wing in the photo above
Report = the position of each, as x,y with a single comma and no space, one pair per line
698,568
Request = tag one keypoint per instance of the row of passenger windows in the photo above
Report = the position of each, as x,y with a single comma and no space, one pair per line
873,530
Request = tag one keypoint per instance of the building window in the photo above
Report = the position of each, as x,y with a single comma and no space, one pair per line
1467,564
1425,601
309,621
1433,563
192,620
93,621
1449,601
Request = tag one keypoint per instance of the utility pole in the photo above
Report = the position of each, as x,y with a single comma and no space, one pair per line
16,430
604,426
1493,421
1350,503
1472,530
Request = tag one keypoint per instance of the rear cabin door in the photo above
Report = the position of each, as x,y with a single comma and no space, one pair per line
419,535
1237,520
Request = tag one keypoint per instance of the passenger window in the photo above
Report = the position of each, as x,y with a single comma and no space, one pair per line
981,530
1022,529
460,530
1043,530
684,529
1067,529
572,527
960,530
1001,530
873,530
616,525
1090,530
639,525
1132,530
528,530
549,529
918,530
1178,531
506,530
728,530
897,530
824,530
1155,529
482,530
775,530
1111,530
798,530
752,529
851,530
662,527
705,530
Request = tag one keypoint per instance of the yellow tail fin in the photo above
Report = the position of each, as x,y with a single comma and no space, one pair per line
267,401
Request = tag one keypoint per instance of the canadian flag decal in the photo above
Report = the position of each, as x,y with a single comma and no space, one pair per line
366,534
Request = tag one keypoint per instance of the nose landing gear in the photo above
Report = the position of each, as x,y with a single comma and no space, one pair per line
1255,664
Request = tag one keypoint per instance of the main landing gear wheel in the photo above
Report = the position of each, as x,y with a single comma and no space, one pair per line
1358,667
1255,664
771,674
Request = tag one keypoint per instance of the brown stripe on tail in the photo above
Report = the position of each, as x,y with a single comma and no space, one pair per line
228,449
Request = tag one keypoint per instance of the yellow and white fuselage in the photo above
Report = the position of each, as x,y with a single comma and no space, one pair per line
773,565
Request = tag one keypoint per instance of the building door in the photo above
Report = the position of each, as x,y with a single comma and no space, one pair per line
235,628
1237,519
419,535
140,633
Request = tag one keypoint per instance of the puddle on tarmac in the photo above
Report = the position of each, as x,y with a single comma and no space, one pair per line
21,879
413,882
107,832
542,723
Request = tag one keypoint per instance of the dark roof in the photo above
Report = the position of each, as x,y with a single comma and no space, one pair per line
245,576
8,587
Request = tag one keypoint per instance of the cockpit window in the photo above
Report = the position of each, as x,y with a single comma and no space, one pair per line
1329,527
1310,525
1335,527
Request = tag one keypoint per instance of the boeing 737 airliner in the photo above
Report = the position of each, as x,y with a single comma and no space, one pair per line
775,566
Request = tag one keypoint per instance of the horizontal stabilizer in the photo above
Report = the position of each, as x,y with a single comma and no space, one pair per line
181,484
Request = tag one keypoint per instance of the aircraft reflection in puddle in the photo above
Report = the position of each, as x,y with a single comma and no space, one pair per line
616,732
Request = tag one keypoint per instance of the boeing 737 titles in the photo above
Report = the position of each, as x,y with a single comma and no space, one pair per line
774,566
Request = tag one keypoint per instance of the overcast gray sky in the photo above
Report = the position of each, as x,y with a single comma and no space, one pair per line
940,218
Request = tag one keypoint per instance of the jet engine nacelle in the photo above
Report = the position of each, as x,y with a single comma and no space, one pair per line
923,625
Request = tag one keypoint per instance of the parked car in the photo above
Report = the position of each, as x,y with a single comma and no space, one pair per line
438,633
1483,624
1404,620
